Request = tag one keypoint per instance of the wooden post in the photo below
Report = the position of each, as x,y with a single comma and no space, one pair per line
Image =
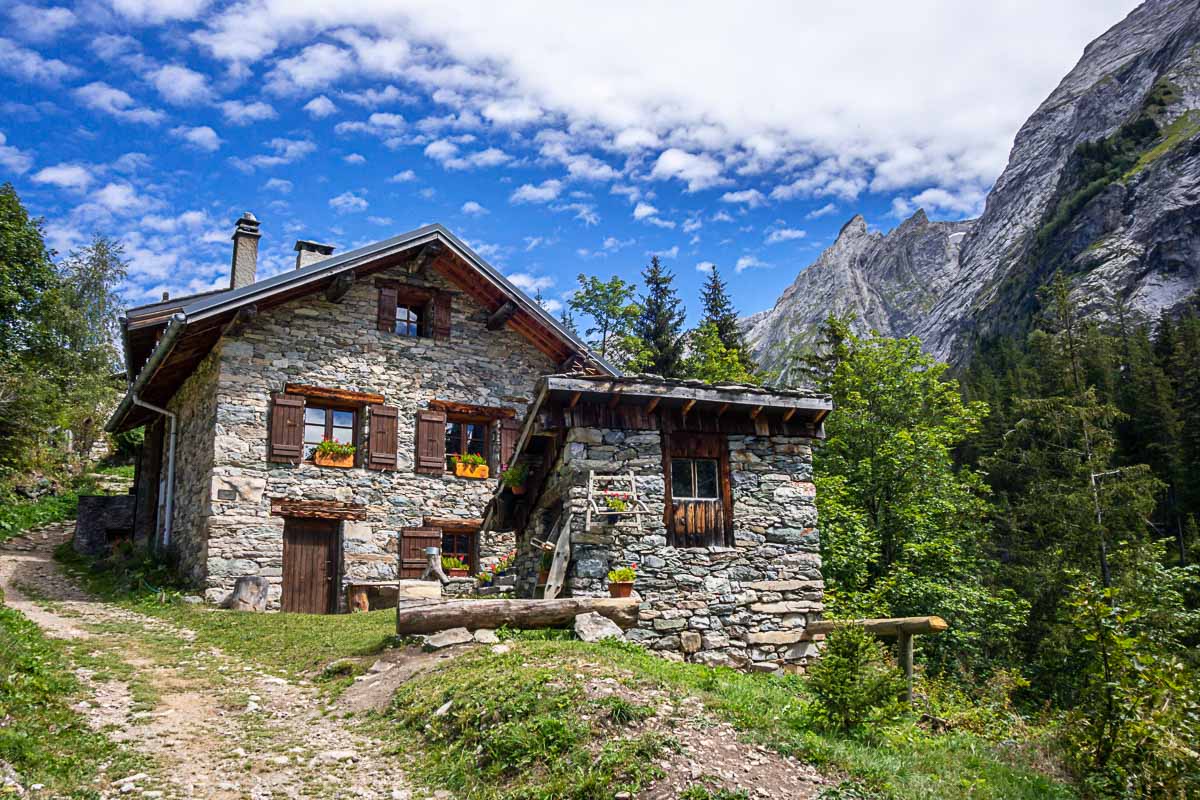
905,641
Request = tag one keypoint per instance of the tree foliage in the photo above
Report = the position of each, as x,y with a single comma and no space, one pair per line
612,313
659,324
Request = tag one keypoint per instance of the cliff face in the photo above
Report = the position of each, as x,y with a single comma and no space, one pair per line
1103,184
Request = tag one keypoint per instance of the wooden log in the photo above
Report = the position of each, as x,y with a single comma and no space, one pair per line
337,289
498,318
475,614
891,626
906,663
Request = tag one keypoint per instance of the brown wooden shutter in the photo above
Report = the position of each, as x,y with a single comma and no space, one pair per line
441,315
286,441
510,430
413,542
431,441
386,316
381,449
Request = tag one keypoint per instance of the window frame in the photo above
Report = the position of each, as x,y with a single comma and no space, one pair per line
472,540
465,420
692,462
414,319
330,409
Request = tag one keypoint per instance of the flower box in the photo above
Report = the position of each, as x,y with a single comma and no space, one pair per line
331,460
459,573
478,472
620,588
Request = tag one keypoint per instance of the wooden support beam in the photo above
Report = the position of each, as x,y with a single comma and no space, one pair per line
574,401
424,258
501,316
468,409
754,412
316,509
791,412
905,643
239,321
337,289
722,409
345,396
453,525
688,406
615,400
653,404
891,626
475,614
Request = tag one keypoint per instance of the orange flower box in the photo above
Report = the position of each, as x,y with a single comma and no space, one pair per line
331,460
478,472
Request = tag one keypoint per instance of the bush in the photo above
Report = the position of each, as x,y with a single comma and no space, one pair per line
854,681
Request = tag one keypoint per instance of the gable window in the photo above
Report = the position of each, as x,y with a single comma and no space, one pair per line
326,422
465,436
408,319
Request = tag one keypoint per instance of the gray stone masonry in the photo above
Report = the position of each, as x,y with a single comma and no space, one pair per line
223,525
745,606
101,520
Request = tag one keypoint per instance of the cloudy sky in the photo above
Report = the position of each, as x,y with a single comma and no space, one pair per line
554,138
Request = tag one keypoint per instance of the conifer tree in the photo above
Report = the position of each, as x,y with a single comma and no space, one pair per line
660,324
718,311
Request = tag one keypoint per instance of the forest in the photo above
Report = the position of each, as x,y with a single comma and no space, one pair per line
1044,499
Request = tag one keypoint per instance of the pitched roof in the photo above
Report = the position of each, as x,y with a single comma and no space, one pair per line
165,341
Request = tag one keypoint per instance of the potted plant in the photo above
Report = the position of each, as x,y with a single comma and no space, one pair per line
330,453
515,476
617,505
454,568
544,567
471,465
620,581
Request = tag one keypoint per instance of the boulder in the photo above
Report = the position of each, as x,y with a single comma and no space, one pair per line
486,636
593,627
448,638
249,594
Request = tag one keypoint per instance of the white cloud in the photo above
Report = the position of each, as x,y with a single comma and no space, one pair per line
65,176
158,10
530,284
283,151
721,216
316,66
824,210
671,252
120,198
13,158
278,185
612,243
964,203
40,24
584,212
347,203
385,221
355,158
30,66
544,192
238,112
180,86
201,137
782,233
748,197
692,225
404,176
749,262
705,267
633,139
99,96
644,210
511,112
373,98
471,208
320,107
698,171
445,152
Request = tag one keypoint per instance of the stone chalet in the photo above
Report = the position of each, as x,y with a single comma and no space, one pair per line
416,351
720,514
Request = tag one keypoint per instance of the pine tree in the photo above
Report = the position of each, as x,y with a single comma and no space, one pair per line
717,309
660,324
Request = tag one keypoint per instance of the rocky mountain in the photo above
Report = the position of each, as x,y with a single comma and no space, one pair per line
1103,184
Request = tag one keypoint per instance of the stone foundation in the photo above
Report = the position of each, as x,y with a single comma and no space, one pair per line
103,520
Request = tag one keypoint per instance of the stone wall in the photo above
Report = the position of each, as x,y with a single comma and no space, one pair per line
195,407
744,606
101,520
314,342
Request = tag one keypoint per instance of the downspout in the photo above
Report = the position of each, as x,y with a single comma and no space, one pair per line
170,504
164,347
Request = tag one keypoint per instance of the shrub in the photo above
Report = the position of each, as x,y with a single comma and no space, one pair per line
335,449
854,681
623,574
471,459
515,475
450,562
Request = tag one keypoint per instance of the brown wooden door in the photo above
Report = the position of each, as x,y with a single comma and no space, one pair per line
699,497
413,542
310,565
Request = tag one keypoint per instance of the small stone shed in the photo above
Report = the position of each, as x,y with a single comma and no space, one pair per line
726,546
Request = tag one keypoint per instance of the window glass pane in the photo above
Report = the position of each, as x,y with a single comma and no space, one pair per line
408,321
706,478
343,435
681,477
453,438
476,439
314,415
313,434
343,419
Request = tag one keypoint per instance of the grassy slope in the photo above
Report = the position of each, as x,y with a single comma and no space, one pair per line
41,736
18,516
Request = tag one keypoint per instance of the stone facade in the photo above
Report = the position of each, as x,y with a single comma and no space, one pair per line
746,605
103,520
225,484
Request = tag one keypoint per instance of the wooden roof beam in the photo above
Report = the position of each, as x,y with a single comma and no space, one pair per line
574,401
688,406
615,400
339,287
791,412
653,404
501,316
754,412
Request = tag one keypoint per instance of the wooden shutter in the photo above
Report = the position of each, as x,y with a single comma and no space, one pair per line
441,315
381,451
510,430
386,316
286,442
413,542
431,441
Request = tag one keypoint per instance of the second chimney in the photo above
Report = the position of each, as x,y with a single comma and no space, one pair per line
245,252
311,252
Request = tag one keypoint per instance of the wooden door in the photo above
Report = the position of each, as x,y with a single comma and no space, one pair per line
413,542
310,565
699,494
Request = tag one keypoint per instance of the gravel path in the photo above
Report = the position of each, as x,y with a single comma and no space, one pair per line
216,726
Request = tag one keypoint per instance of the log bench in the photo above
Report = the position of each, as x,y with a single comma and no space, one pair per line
902,628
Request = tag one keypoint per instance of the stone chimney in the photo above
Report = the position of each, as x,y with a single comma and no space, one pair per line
245,252
311,252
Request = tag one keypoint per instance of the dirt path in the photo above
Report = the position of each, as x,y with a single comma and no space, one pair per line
216,726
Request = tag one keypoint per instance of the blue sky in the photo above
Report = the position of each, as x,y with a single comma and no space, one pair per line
555,139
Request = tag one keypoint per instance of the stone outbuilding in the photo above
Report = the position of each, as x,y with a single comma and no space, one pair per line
719,514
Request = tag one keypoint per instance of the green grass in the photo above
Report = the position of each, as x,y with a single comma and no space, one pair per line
1181,130
902,761
41,736
118,470
18,516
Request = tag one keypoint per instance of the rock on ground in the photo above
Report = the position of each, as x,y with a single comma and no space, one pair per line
592,627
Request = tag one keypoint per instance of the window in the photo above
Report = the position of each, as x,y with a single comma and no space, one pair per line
408,319
460,546
465,436
694,479
323,422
